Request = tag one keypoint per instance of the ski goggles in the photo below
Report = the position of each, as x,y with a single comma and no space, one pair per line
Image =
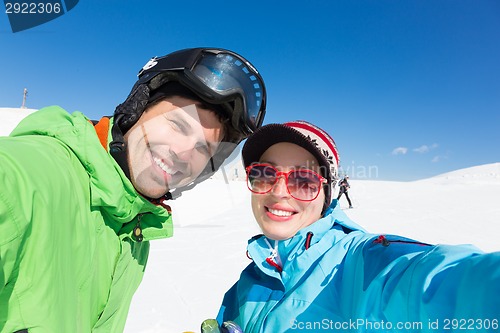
301,184
217,76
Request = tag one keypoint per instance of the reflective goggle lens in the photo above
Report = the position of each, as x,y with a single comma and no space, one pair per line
226,74
301,184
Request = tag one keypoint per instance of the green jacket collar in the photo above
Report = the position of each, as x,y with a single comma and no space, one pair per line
111,191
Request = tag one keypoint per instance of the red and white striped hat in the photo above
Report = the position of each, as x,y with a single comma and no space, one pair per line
304,134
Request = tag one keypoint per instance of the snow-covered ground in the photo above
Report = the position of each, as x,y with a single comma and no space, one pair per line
188,274
9,117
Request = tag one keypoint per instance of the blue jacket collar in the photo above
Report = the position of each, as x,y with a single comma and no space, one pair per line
335,219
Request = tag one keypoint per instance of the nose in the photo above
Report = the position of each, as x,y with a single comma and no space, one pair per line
183,150
279,188
183,155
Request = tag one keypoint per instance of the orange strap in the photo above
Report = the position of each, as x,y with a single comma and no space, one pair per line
102,129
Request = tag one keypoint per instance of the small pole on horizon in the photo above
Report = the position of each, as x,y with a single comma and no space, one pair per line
25,93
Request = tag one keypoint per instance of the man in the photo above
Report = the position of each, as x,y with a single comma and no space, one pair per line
81,200
344,188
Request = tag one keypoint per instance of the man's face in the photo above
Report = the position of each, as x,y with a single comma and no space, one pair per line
171,144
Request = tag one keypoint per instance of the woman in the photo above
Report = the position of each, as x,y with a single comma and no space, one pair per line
315,270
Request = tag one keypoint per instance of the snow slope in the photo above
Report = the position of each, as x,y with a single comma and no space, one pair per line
9,117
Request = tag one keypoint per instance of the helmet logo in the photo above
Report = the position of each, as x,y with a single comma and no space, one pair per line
150,64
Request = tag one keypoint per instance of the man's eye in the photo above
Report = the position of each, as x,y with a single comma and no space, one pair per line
203,148
177,126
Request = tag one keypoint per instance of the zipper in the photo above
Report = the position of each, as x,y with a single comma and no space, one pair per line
385,242
137,232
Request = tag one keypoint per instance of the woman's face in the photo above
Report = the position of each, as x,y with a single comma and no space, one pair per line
171,144
278,214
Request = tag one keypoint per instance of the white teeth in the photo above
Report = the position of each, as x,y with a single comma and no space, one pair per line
280,212
163,166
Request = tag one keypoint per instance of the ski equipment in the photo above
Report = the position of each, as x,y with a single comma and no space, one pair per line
211,326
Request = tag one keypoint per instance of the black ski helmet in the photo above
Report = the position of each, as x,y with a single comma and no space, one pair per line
219,77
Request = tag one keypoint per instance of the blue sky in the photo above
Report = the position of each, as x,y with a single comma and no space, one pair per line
408,89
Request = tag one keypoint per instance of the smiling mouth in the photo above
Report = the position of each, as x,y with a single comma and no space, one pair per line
163,166
278,212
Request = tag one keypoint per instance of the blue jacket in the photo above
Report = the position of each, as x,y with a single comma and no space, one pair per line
337,277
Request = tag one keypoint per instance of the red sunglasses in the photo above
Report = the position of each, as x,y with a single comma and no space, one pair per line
301,184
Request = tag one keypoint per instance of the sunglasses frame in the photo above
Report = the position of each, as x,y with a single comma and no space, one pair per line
279,174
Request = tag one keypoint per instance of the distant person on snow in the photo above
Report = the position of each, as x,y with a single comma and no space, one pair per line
80,200
314,270
344,188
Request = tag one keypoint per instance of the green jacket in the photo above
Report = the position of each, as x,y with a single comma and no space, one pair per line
68,259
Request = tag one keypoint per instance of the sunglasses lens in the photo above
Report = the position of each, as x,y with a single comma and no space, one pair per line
304,184
261,178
